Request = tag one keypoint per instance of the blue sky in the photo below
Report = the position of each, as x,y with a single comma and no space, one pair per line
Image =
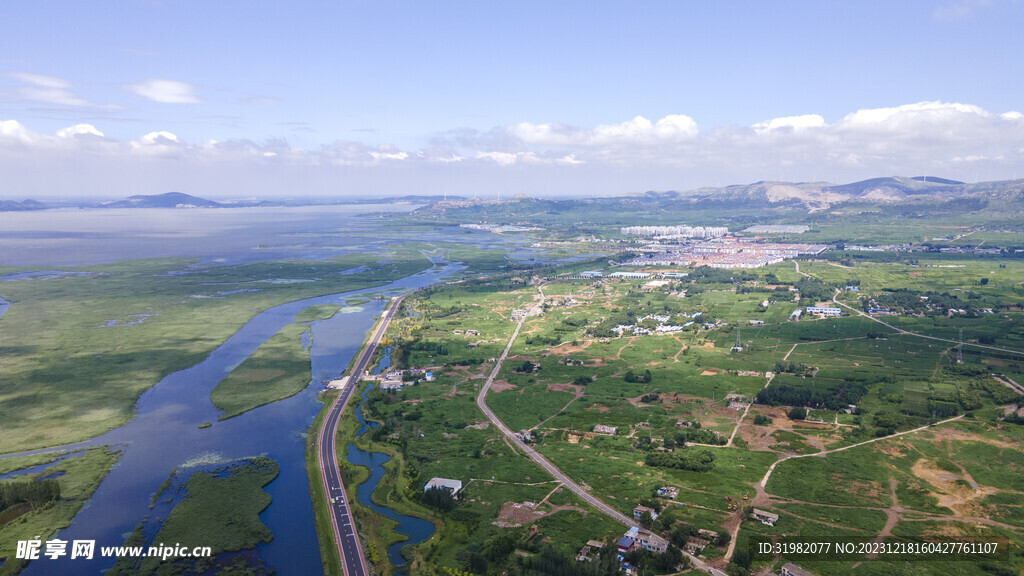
256,98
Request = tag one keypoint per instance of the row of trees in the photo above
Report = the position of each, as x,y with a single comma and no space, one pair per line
633,378
699,437
35,494
798,368
693,460
835,399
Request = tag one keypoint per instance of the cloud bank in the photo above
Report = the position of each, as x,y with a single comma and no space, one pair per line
165,91
952,140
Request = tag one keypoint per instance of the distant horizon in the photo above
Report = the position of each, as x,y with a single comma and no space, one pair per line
341,199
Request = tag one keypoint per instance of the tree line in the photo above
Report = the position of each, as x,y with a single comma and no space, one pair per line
35,494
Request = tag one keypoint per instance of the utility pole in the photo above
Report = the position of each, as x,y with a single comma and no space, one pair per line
960,349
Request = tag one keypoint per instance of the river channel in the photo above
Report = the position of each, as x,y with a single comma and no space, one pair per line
165,436
415,529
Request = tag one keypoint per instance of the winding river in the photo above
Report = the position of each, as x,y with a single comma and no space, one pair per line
415,529
165,435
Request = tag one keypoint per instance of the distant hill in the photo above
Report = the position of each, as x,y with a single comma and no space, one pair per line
912,197
815,196
15,206
167,200
933,179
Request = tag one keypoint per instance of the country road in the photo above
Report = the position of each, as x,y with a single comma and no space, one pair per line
545,463
346,537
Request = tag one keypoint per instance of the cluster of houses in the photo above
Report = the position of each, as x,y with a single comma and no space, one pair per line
592,274
637,538
662,327
393,380
669,492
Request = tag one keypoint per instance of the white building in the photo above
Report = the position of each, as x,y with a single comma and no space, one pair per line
630,275
824,310
452,486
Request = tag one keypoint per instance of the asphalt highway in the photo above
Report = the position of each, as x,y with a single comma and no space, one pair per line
345,536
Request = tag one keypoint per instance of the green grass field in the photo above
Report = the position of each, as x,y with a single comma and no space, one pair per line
76,377
278,369
221,510
81,476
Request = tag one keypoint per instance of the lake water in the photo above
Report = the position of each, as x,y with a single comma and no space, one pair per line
73,237
165,435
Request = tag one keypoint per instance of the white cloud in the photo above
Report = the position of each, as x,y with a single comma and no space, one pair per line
790,123
13,131
160,137
909,116
78,130
639,130
500,158
388,153
953,140
40,80
165,91
47,89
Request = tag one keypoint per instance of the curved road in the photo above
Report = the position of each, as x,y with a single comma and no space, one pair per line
548,466
345,536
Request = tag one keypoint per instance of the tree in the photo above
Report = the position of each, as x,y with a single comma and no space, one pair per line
797,413
646,520
440,498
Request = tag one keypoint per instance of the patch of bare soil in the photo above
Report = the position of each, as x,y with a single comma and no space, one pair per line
893,449
873,489
567,507
514,514
946,433
710,372
480,425
502,385
565,387
599,407
758,438
948,531
568,348
957,492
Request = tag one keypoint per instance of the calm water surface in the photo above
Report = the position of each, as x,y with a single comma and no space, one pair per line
416,529
165,435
